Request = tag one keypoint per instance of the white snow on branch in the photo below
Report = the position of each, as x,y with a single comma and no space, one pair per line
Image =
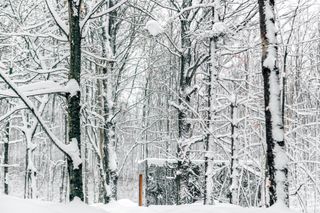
65,148
177,106
154,27
56,17
44,87
12,111
219,28
9,165
190,141
3,66
189,90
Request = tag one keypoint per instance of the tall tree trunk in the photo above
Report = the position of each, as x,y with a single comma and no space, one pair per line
184,125
6,152
86,172
113,93
103,186
6,158
277,161
145,150
74,130
234,165
212,105
109,103
26,175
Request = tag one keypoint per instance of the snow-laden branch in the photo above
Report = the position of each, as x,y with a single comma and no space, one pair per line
36,35
57,18
195,6
12,111
190,141
91,15
71,149
42,88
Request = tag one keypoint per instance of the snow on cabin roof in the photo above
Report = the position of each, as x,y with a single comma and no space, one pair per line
247,165
164,161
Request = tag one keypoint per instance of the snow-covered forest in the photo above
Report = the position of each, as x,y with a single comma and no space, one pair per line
163,102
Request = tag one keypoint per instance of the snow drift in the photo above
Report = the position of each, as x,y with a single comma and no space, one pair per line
10,204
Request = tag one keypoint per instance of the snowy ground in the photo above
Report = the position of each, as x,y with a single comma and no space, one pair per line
15,205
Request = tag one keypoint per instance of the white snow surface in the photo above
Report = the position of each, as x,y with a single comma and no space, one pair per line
154,27
10,204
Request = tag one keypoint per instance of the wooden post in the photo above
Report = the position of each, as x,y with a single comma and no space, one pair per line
140,189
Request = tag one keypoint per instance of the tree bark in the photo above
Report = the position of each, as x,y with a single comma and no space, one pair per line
234,165
212,104
184,126
74,130
277,161
109,103
6,158
6,153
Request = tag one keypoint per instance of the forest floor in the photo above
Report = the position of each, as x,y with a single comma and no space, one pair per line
10,204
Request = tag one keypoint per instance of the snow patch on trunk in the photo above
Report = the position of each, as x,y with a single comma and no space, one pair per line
72,87
270,62
73,150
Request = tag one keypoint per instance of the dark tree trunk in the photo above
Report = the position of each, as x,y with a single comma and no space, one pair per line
276,163
74,130
184,126
6,159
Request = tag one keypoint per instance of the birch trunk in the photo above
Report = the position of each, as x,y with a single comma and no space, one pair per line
234,165
277,160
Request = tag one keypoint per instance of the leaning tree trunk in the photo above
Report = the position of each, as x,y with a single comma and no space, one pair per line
74,130
277,161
